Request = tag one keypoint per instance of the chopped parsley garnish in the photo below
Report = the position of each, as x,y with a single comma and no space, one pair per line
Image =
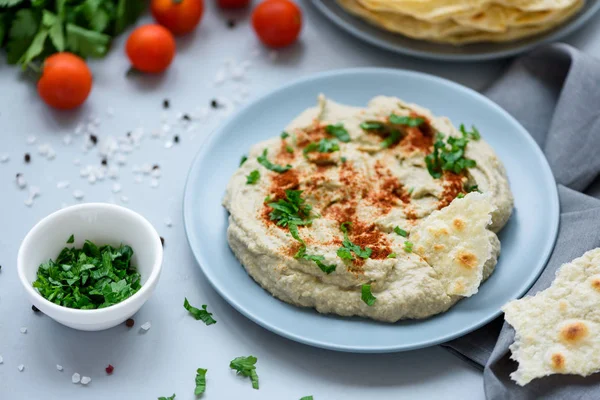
473,188
88,278
406,120
393,138
167,398
284,135
253,177
345,252
243,160
473,134
391,255
307,398
367,296
408,246
291,211
245,366
460,195
317,259
412,189
344,159
400,231
289,149
270,166
200,381
322,146
71,239
372,126
448,156
199,314
339,132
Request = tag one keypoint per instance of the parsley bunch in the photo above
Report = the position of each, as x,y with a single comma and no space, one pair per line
448,156
291,211
345,252
31,30
88,278
322,146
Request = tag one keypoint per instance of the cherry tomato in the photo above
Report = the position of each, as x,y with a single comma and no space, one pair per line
150,48
180,17
66,81
277,22
233,3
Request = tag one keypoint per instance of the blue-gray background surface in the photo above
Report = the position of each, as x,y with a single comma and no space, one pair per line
163,361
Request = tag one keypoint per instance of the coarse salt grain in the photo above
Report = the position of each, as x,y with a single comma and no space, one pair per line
146,168
154,183
113,172
220,76
121,159
67,139
124,199
146,326
31,139
168,222
79,128
138,179
21,182
51,154
116,188
76,162
62,184
4,158
1,360
168,144
76,378
92,179
156,173
23,330
21,367
78,194
85,380
43,149
59,367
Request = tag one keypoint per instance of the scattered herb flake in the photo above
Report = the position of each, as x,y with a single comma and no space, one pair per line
307,398
344,159
289,149
400,231
345,251
448,156
339,132
391,139
199,314
322,146
328,269
291,210
71,239
167,398
473,134
406,120
392,255
253,177
408,246
284,135
366,295
372,126
245,366
200,381
460,195
474,188
243,160
270,166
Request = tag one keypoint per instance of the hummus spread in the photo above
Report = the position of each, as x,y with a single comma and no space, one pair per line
322,215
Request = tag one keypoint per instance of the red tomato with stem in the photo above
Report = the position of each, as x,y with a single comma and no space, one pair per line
277,22
150,48
66,81
178,16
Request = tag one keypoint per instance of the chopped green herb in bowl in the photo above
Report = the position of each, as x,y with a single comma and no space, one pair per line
88,278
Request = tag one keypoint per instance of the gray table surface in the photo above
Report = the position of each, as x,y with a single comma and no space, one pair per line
163,361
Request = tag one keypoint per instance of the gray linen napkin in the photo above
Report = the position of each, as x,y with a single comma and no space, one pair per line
555,93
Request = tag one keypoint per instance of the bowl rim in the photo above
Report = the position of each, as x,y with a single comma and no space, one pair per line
51,219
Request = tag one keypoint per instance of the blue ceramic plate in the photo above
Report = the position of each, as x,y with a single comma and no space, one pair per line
527,239
423,49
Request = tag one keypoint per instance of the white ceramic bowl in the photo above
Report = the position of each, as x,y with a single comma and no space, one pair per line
101,224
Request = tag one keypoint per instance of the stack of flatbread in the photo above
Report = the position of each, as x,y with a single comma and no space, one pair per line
465,21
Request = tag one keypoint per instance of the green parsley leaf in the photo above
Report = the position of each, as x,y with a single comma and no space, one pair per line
344,252
253,177
473,134
408,246
10,3
474,188
198,314
289,149
392,255
307,398
167,398
406,120
200,381
270,166
85,42
243,160
448,156
245,366
400,231
22,31
322,146
88,278
291,210
460,195
366,295
127,13
393,138
372,126
344,159
71,239
339,132
55,29
284,135
410,190
316,259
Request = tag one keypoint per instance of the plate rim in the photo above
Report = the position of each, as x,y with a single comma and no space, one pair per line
187,211
575,23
